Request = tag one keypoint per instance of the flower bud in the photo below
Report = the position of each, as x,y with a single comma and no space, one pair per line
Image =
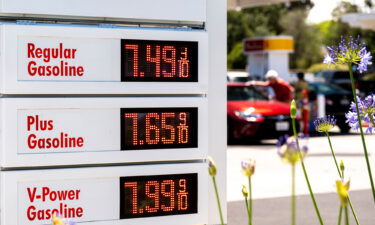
57,221
211,167
342,167
248,167
293,109
244,191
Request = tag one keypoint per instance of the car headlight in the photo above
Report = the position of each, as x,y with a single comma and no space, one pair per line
249,115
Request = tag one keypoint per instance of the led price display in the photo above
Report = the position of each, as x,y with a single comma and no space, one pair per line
160,195
155,128
145,60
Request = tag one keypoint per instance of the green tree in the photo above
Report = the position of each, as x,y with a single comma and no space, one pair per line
247,23
306,39
332,30
255,22
236,59
344,7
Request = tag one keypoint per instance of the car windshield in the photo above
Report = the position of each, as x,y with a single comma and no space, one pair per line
324,74
241,93
327,88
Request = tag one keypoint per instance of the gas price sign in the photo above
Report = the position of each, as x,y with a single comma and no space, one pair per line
146,128
107,195
145,196
145,60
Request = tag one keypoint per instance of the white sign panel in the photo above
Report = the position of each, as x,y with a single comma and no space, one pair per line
76,131
41,59
175,10
157,194
68,59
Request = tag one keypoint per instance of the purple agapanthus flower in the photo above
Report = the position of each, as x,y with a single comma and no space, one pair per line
71,223
349,51
287,148
365,60
366,109
325,124
328,59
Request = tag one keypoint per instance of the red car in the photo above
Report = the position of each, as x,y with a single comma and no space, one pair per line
251,115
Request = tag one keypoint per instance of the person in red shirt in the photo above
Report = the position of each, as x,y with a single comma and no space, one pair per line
283,90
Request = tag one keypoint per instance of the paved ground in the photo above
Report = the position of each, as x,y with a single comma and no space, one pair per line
271,182
276,211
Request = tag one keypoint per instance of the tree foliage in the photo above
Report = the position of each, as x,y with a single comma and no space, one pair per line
290,19
331,31
306,39
344,7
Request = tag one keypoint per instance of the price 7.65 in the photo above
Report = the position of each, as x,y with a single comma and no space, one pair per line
159,128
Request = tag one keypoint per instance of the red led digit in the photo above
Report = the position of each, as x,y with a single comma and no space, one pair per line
134,117
183,64
169,194
183,129
152,127
182,196
171,60
155,59
134,187
134,47
153,195
169,127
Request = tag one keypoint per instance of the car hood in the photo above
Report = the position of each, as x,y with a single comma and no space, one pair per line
265,108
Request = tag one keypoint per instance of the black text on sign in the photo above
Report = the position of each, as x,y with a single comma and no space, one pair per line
156,128
145,60
161,195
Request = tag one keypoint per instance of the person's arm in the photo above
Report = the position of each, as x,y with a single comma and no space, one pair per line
259,83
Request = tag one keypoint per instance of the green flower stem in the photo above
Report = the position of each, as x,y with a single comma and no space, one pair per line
340,216
372,120
305,173
293,197
247,208
333,155
218,200
250,203
353,211
361,130
341,176
346,215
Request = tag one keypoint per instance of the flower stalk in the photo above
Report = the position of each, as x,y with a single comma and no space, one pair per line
218,200
293,116
333,155
324,125
212,171
293,197
340,216
245,195
250,202
361,130
248,169
353,53
346,215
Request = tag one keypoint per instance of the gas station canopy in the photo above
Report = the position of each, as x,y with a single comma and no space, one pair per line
239,4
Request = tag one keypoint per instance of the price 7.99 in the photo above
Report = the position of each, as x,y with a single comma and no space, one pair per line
164,195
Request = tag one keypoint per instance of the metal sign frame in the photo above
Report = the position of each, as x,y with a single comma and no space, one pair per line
109,152
15,197
14,60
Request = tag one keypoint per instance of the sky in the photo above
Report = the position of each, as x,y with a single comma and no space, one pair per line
323,8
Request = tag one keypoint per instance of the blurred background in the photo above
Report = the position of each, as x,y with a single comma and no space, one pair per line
290,37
